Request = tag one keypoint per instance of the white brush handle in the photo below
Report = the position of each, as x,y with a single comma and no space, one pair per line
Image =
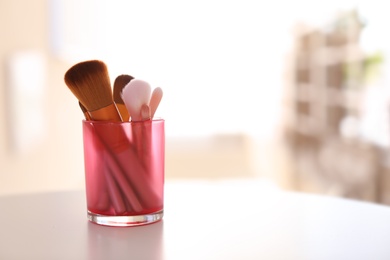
145,112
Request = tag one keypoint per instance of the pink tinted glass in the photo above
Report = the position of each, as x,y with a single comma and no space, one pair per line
124,171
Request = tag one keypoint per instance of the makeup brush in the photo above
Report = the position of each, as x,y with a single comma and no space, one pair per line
119,83
155,100
89,81
135,94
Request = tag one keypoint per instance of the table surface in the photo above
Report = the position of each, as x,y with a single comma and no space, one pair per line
203,220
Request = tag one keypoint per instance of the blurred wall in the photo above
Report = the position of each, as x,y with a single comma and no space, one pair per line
37,155
53,160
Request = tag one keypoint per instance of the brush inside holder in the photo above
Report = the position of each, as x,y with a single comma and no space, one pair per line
124,171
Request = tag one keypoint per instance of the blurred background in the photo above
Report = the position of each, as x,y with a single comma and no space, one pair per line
293,93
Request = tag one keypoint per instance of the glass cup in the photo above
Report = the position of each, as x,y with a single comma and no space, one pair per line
124,171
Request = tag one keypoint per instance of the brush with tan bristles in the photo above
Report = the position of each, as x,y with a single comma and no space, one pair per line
119,83
89,81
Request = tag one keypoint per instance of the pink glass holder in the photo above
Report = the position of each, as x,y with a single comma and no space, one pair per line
124,171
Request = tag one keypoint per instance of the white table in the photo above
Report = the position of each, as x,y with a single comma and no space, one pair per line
203,220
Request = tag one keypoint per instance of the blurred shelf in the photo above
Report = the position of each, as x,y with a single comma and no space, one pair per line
326,88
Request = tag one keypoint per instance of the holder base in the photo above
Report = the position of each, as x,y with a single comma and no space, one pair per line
125,221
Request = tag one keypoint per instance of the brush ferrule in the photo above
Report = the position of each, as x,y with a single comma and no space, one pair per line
108,113
123,111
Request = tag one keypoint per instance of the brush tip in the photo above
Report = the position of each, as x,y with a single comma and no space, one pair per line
90,83
138,88
135,94
120,82
76,72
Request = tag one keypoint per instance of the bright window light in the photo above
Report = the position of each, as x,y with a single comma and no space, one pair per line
220,63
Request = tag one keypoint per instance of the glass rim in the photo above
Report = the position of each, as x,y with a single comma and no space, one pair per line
154,120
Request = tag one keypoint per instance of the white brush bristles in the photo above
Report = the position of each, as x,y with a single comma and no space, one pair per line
135,94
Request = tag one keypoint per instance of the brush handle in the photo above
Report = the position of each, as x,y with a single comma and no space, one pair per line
141,134
128,190
114,159
114,193
98,194
130,172
135,171
108,190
